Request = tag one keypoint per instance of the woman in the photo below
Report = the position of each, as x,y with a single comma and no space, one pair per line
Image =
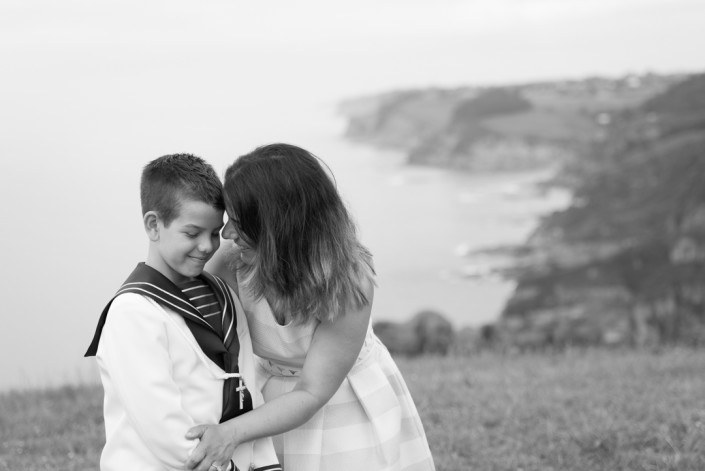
334,399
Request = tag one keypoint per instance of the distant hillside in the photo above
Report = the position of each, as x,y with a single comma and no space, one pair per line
626,262
497,128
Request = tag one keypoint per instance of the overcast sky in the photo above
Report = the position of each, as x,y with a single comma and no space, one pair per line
368,44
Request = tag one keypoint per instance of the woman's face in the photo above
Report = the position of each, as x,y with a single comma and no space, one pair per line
230,231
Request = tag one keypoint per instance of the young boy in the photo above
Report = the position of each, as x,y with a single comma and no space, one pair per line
173,346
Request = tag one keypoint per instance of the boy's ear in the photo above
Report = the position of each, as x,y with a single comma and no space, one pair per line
151,225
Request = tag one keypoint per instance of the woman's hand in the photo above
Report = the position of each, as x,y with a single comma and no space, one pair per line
217,446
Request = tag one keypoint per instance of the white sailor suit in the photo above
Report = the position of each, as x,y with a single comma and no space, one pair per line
159,382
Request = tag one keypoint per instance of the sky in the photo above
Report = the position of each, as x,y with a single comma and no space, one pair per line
364,45
92,89
120,65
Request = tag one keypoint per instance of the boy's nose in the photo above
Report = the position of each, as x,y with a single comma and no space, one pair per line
206,245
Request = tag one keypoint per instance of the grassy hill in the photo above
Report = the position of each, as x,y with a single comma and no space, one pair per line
581,409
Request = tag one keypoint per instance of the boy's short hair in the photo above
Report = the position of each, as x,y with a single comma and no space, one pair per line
169,179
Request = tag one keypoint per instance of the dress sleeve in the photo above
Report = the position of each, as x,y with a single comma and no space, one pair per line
134,351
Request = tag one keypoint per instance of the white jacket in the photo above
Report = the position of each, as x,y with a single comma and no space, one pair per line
158,383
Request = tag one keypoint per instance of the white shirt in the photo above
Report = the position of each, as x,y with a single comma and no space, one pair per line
158,383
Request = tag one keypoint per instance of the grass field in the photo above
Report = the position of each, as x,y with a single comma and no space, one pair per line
575,410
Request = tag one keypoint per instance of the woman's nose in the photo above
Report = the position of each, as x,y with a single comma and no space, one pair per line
229,231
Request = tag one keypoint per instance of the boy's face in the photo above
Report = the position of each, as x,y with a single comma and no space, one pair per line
184,247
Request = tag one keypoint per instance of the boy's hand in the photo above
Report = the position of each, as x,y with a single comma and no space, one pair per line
216,448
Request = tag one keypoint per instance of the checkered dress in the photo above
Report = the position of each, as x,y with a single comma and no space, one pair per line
371,423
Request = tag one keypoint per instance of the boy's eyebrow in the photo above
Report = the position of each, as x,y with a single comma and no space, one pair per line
195,226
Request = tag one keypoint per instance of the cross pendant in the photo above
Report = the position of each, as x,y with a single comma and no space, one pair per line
241,391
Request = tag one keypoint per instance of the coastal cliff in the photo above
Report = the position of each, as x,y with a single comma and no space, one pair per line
493,129
625,262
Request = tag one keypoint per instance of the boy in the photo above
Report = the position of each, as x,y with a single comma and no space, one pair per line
173,346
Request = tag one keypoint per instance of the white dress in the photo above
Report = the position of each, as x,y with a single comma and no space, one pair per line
371,422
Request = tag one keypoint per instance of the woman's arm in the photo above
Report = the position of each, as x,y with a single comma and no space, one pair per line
333,351
222,264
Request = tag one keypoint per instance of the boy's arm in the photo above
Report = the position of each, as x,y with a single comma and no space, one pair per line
133,349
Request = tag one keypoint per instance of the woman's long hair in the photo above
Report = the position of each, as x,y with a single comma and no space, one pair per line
308,262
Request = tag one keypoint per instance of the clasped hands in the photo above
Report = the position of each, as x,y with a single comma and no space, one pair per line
215,449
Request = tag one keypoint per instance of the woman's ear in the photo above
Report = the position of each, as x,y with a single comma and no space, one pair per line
151,225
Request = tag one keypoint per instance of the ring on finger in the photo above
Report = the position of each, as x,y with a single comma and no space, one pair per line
217,467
